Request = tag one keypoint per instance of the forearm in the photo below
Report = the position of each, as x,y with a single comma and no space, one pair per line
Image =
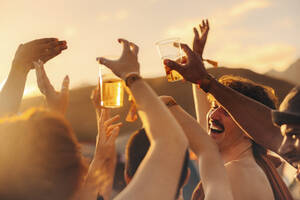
202,105
100,177
156,118
253,117
12,91
211,167
198,139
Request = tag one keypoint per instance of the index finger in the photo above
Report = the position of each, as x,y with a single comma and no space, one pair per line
196,32
186,49
125,43
135,48
41,41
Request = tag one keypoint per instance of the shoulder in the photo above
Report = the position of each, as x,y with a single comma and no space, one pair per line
248,181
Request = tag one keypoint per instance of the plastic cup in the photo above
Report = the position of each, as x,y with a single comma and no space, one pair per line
167,50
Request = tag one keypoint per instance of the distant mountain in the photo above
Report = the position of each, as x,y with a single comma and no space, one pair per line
291,74
82,116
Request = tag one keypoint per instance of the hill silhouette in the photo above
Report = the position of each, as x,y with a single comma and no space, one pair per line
82,116
291,74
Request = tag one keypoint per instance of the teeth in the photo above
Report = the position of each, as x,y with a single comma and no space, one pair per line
216,128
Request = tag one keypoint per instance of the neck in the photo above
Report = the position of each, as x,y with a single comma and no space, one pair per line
238,150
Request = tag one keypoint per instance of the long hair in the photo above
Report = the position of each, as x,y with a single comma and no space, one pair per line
39,157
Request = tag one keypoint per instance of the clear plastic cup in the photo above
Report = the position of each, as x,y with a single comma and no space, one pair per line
168,50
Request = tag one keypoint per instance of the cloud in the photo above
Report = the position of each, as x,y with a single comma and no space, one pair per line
260,58
119,15
69,31
247,6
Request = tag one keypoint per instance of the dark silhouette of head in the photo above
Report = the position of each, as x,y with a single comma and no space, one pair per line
137,148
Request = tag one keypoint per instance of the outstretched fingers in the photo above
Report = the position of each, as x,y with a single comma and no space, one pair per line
107,62
134,48
42,79
113,135
187,50
126,45
196,33
207,24
108,122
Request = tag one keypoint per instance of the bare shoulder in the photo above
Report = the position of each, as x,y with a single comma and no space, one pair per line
248,180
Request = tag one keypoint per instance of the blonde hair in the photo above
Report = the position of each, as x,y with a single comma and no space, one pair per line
39,157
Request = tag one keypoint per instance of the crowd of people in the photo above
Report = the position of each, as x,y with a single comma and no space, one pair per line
40,155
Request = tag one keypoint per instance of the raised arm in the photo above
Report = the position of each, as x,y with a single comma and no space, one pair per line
57,101
13,89
214,177
100,177
164,160
248,113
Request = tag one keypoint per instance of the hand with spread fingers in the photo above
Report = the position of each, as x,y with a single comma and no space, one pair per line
199,42
105,157
193,70
13,89
56,100
127,63
96,101
40,49
107,131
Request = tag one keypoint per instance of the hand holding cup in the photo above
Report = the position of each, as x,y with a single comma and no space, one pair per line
127,63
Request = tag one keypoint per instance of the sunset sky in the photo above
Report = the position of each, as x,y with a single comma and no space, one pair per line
256,34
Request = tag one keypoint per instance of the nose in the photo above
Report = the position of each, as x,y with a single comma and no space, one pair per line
214,113
286,146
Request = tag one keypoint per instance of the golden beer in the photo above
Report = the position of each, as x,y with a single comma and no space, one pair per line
172,75
112,93
170,49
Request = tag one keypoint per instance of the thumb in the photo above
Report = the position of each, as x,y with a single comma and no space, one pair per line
65,85
108,63
174,65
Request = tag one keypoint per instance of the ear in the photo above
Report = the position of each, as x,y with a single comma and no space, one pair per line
127,179
187,177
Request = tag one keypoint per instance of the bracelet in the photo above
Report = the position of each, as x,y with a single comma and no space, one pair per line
131,78
205,83
171,103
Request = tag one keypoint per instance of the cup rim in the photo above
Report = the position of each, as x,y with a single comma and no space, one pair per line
167,40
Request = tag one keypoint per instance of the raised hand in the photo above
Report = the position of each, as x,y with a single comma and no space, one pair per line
41,49
56,100
199,42
105,156
127,63
193,70
107,132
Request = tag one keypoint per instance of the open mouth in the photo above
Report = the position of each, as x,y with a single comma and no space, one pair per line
216,127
